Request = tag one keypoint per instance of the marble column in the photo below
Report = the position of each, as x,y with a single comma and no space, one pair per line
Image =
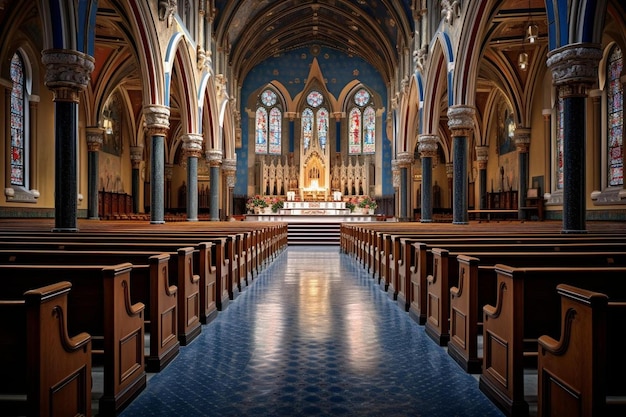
67,75
461,124
192,146
157,123
574,69
229,169
95,137
405,161
482,156
214,158
428,150
595,141
522,144
136,158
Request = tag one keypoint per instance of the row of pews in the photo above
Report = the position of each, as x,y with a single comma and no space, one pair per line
120,298
513,302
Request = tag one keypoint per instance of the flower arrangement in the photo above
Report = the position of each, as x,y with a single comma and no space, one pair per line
276,204
367,203
256,202
350,205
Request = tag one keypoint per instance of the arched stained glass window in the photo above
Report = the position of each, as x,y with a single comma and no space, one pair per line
559,144
369,130
268,122
275,130
354,141
18,113
260,145
322,127
362,124
307,128
615,115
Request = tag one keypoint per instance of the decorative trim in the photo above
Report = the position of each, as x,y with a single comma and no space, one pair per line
428,146
157,119
461,120
575,64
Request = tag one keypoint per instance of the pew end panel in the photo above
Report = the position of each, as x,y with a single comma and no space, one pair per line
582,373
51,369
189,326
125,375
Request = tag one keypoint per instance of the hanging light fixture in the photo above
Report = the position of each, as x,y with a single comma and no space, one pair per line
522,60
532,31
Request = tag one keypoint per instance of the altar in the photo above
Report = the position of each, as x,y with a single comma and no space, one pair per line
314,212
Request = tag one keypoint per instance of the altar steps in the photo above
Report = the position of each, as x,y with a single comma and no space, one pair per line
313,234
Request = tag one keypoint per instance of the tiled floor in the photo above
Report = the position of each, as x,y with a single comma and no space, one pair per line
314,336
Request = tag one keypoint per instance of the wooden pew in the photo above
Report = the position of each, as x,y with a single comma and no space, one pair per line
462,283
100,304
424,261
45,371
582,372
151,284
527,307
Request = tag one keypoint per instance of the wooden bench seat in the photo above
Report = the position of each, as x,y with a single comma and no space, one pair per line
527,307
151,283
99,304
423,261
462,283
45,372
582,372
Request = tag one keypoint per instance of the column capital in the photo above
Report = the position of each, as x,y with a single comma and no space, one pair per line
482,156
428,146
404,159
214,157
136,155
522,139
95,137
574,67
461,120
192,144
157,119
67,73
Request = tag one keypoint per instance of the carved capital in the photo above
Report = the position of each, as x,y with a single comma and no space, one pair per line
214,157
428,146
67,73
136,155
157,119
192,145
95,137
461,120
404,159
482,156
522,139
575,65
449,170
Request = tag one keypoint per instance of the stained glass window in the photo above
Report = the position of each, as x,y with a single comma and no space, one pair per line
307,128
362,124
18,98
615,115
322,127
369,130
354,136
314,99
275,129
261,131
559,145
268,122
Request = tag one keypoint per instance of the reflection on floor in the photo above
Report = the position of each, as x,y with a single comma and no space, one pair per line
312,335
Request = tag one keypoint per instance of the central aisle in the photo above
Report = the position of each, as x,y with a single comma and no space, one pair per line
313,335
